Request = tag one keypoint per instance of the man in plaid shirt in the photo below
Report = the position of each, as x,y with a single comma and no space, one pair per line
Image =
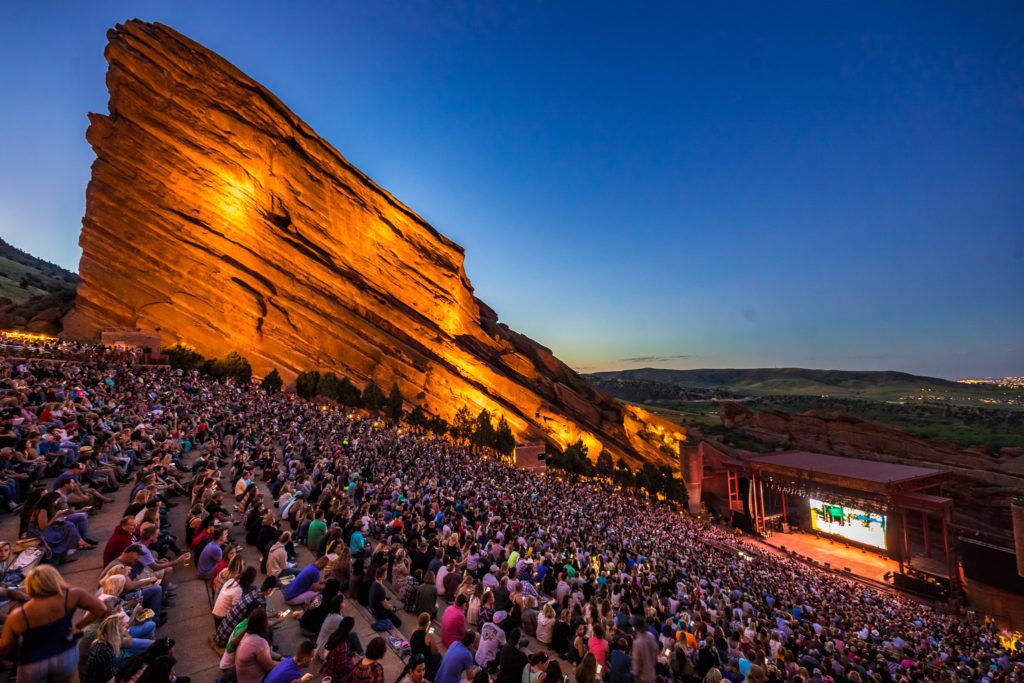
252,599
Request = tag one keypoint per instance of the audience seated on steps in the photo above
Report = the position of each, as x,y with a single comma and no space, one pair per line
621,566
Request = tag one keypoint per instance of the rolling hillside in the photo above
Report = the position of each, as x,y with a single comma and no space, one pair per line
33,293
929,407
878,385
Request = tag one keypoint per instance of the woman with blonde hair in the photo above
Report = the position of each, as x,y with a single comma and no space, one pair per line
341,567
465,586
222,570
399,569
111,587
546,625
714,675
101,659
235,566
45,629
116,570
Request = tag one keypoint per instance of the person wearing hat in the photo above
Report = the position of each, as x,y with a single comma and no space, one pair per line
490,579
150,591
492,639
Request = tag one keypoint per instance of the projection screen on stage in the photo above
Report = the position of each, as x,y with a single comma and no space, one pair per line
867,528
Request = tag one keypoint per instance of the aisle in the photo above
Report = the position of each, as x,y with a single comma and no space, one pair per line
190,622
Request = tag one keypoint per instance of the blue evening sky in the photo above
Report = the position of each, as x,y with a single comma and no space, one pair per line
729,184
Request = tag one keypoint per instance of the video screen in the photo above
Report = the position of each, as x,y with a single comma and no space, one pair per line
850,523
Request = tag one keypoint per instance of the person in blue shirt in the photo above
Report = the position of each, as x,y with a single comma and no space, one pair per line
356,543
290,668
211,555
307,585
458,660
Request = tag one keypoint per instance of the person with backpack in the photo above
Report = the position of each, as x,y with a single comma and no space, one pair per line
707,657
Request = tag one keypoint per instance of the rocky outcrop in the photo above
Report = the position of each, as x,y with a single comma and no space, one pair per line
218,218
984,484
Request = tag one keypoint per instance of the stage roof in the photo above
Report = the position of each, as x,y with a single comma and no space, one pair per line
867,476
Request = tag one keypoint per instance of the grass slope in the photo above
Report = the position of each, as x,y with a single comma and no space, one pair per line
879,385
24,277
967,415
33,287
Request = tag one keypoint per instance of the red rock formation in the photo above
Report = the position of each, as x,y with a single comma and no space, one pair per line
984,483
218,218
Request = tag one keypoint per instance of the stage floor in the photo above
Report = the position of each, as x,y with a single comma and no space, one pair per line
863,563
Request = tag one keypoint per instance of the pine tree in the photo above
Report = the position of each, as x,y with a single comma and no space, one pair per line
504,439
306,383
438,425
234,366
652,478
418,419
642,483
462,426
396,404
348,394
483,435
605,466
373,397
272,382
182,357
574,459
328,386
624,474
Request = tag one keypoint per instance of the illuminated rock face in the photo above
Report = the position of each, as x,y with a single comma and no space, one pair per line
216,217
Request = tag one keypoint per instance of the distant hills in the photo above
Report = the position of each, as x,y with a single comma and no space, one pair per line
33,293
880,385
930,407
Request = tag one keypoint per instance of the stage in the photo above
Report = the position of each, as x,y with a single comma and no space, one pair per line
862,563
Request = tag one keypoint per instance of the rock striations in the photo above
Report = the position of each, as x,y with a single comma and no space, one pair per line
218,218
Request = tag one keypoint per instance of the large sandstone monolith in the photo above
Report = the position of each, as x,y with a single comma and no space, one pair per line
216,217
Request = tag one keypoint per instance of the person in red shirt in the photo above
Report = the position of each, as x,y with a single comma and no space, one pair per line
123,536
206,533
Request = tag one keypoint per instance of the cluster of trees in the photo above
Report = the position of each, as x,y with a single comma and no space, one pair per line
234,365
477,432
313,383
649,479
482,432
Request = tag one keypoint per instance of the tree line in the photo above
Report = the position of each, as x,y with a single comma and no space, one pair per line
232,366
649,479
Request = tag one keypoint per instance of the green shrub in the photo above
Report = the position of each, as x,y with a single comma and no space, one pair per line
272,382
183,357
306,383
233,366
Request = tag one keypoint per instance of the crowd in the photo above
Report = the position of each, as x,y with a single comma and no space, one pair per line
529,575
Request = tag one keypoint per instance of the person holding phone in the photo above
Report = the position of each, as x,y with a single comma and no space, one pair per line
65,533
